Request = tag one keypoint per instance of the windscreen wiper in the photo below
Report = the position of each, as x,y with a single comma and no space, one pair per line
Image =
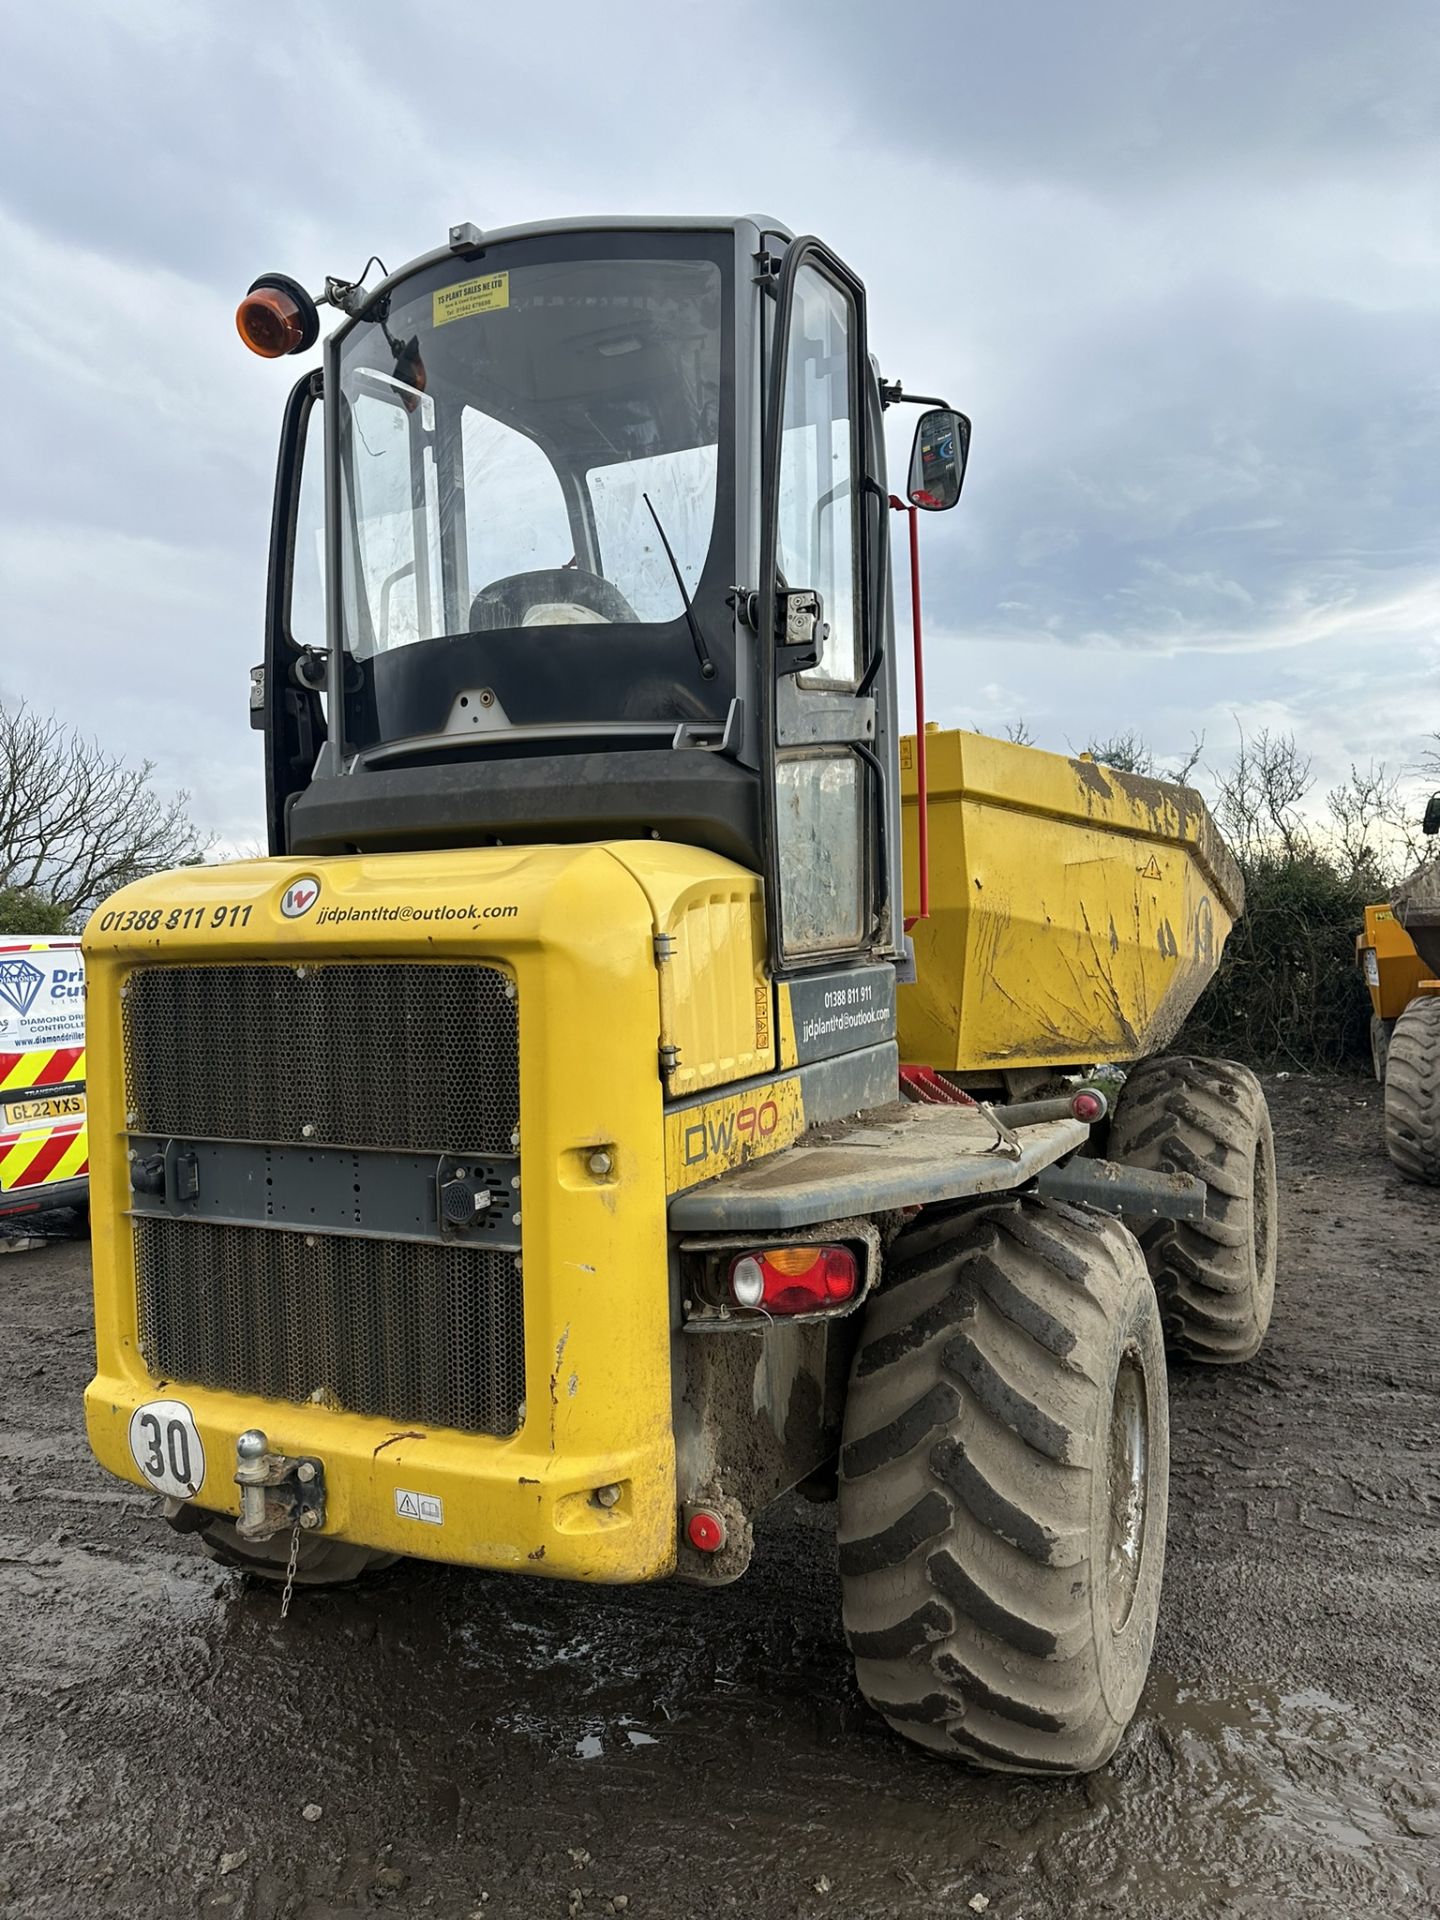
702,652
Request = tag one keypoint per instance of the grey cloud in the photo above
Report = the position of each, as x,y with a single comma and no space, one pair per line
1179,261
1129,94
1208,471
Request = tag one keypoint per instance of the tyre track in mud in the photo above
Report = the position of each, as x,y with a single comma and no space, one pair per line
482,1744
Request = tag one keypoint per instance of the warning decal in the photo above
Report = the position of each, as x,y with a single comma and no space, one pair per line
420,1506
486,295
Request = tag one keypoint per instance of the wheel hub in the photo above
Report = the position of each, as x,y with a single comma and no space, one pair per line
1129,1459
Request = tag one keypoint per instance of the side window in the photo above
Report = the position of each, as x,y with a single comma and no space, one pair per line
396,511
515,520
817,543
820,823
307,566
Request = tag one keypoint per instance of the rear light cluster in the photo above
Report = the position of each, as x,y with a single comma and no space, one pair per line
794,1279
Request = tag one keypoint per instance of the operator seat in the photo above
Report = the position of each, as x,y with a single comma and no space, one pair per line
550,596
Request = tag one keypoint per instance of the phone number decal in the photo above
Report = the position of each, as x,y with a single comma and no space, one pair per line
174,919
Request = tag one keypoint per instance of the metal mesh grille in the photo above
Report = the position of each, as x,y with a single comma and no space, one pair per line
425,1333
421,1058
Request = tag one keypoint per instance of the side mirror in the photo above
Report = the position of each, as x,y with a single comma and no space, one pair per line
1431,822
937,460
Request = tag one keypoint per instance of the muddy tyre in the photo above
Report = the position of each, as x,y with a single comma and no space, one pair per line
1412,1092
1003,1487
321,1563
1215,1277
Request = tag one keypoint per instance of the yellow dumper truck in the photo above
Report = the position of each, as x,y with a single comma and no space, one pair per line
1394,975
1399,952
558,1148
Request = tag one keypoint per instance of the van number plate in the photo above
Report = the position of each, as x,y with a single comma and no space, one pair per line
57,1107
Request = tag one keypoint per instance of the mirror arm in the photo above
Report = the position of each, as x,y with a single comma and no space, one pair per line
892,394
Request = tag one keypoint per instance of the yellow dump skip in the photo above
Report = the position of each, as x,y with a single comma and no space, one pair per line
1075,912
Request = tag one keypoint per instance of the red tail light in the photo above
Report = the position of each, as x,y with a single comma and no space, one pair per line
794,1279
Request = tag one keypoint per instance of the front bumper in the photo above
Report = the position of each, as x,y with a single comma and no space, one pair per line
501,1504
57,1193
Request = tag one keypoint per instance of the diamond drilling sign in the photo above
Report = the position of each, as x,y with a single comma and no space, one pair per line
19,984
44,1148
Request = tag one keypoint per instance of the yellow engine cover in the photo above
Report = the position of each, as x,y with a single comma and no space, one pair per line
576,929
1075,912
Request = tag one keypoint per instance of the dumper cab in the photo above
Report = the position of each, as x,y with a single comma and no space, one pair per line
562,610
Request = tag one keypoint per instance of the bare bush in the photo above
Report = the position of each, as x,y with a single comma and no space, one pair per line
1126,752
1376,832
1130,752
1288,991
76,822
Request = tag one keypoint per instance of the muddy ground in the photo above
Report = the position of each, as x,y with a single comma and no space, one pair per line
482,1745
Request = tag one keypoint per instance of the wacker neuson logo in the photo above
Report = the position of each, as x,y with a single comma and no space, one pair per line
299,897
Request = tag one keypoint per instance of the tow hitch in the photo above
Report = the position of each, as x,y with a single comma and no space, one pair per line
278,1491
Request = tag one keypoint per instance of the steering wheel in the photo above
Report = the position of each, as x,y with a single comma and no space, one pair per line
505,603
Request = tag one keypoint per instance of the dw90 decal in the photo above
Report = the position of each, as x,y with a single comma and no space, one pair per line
709,1137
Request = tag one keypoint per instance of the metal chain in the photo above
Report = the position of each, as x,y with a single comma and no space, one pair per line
290,1570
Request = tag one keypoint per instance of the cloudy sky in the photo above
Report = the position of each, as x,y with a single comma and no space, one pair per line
1180,259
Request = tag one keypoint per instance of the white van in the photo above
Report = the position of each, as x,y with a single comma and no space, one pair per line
44,1146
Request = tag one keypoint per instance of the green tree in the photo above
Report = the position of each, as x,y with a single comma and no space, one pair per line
25,912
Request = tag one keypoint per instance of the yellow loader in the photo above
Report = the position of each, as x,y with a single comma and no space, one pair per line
518,1168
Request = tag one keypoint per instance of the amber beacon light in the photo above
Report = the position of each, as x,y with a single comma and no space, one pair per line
277,316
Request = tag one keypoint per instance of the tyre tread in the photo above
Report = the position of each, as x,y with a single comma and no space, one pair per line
966,1485
1412,1092
1215,1277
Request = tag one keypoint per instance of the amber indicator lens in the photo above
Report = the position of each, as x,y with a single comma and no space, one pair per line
270,322
277,316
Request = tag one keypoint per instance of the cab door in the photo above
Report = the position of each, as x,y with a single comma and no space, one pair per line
821,779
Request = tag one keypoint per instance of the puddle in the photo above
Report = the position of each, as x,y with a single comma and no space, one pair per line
1302,1764
1257,1797
592,1746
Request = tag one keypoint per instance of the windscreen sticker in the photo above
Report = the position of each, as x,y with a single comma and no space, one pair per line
485,295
